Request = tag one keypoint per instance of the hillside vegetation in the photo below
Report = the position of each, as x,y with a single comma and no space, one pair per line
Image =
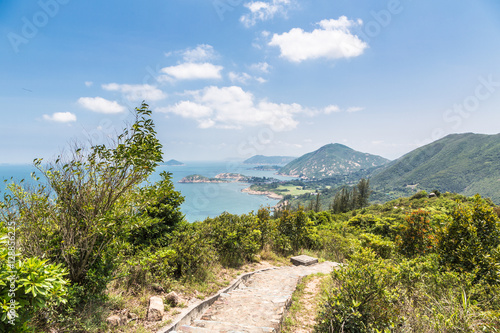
331,160
461,163
94,238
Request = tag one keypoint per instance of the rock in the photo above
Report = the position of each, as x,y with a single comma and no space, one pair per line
303,260
116,320
132,316
156,309
172,298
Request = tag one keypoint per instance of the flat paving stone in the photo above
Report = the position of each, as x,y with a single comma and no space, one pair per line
259,304
303,260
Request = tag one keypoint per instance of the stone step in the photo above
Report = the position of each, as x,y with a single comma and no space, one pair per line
221,326
256,305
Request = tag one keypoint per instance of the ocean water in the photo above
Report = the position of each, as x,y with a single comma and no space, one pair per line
202,200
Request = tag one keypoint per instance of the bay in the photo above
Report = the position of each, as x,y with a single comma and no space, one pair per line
202,200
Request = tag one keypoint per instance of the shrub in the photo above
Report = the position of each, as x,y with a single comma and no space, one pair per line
295,231
236,238
159,203
383,248
417,236
469,243
362,298
419,195
26,286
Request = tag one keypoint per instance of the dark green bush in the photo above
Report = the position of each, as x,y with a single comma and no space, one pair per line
362,298
295,231
236,238
469,243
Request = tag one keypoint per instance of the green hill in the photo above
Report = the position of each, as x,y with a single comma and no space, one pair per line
331,160
261,159
462,163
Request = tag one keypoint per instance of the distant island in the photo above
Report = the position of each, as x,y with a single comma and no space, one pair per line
269,160
220,178
174,163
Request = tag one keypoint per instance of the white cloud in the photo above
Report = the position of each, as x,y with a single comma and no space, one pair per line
89,83
232,107
331,109
333,40
239,77
263,67
191,71
202,52
137,92
263,11
354,109
101,105
60,117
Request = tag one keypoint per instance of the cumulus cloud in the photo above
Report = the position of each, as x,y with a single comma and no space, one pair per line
101,105
89,83
202,52
191,71
263,11
263,67
332,40
137,92
60,117
233,108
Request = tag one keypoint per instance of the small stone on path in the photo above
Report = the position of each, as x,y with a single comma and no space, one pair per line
303,260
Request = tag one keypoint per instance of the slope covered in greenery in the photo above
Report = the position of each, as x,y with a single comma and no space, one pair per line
462,163
331,160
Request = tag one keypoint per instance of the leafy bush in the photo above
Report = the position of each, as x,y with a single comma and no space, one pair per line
469,243
236,238
362,298
295,231
419,195
160,203
383,248
26,286
417,236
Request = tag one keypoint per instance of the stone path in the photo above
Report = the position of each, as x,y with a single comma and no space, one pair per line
257,305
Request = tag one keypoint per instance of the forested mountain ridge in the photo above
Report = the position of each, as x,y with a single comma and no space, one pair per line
331,160
463,163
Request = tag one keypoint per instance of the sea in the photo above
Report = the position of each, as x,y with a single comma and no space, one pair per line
202,200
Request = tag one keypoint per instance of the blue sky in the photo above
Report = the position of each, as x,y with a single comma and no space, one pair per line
234,78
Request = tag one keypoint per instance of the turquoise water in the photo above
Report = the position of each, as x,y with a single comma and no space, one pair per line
202,200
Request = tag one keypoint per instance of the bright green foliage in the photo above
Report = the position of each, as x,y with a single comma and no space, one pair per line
382,247
295,231
236,238
161,203
79,223
26,286
417,236
266,226
362,298
469,243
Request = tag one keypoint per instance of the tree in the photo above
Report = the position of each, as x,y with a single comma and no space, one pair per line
82,210
363,193
469,242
